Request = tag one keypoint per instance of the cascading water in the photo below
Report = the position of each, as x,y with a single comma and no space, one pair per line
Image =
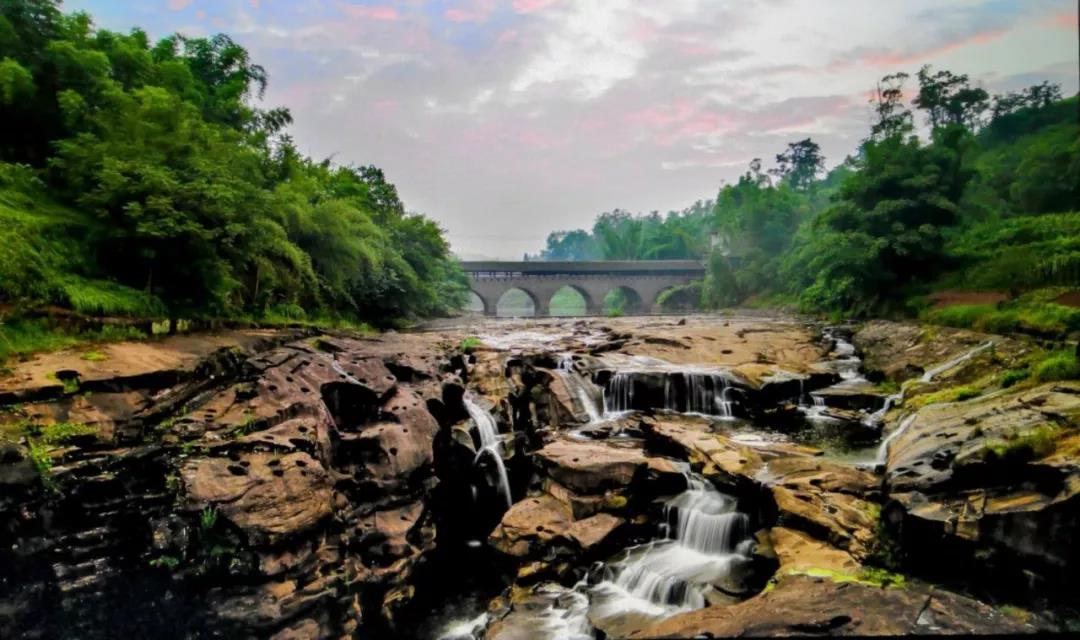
490,445
962,358
705,393
579,386
883,448
706,539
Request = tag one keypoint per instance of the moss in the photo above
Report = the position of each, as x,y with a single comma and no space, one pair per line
952,394
469,343
65,432
1015,613
42,461
166,562
94,356
869,576
1033,444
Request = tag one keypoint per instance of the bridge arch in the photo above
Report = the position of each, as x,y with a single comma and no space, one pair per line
518,301
477,300
571,300
624,299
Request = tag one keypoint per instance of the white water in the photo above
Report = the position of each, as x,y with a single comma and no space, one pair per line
490,444
677,572
580,387
927,377
883,448
464,629
962,358
704,393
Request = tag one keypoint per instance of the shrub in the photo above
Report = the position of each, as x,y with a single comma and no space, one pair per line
1013,376
469,343
1060,365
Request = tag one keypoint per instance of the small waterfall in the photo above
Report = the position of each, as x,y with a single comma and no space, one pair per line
883,448
706,538
579,386
619,395
465,629
490,444
927,377
962,358
704,393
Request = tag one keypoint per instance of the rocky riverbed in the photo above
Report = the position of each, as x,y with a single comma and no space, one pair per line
632,477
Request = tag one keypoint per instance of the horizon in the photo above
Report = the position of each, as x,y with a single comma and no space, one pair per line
507,121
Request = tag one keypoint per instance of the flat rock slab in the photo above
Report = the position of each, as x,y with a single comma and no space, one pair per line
130,359
591,467
804,605
752,348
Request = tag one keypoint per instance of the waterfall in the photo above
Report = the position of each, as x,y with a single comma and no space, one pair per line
619,396
962,358
704,393
676,572
883,448
927,377
579,386
489,444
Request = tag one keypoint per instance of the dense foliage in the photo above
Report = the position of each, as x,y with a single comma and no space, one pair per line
986,200
139,178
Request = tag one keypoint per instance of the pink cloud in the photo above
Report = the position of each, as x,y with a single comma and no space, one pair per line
529,6
1065,20
884,58
370,12
507,36
178,5
476,11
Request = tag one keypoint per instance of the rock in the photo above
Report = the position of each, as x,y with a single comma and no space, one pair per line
836,605
267,496
799,552
594,530
591,467
989,489
530,525
722,459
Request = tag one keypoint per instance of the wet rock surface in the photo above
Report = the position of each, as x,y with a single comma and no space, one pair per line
626,477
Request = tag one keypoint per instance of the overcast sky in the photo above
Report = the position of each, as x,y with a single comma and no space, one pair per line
507,120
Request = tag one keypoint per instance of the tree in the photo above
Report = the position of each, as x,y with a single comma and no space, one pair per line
893,118
950,99
800,164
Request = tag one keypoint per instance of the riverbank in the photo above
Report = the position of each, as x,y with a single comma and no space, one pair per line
645,477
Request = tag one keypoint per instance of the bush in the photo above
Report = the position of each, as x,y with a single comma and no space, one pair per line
1060,365
1013,376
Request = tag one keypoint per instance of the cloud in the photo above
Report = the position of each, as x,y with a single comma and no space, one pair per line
505,121
370,12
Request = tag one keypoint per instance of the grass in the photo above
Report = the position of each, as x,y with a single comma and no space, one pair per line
1034,313
1013,377
94,356
1058,365
24,336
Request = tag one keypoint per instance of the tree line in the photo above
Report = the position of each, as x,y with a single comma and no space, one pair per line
141,178
897,219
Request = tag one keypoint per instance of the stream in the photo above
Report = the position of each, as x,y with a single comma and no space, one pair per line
698,547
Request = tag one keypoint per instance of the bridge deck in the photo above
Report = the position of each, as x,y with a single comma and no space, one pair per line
622,267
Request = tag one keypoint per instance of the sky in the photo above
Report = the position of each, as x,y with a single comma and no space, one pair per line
505,121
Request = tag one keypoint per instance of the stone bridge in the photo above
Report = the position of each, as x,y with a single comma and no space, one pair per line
642,280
